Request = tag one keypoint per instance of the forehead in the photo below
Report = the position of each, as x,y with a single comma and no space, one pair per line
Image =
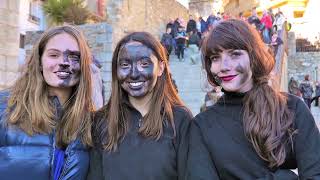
135,48
62,42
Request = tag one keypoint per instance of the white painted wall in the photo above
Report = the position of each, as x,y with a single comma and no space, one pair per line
25,24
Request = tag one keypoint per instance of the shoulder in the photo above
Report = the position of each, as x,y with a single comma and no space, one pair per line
295,103
181,114
208,117
99,126
302,114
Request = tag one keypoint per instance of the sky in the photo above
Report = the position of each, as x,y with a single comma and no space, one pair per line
184,2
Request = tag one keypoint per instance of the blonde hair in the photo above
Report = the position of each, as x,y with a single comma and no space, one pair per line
30,107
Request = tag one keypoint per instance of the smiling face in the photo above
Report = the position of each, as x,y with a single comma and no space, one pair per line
137,69
233,68
60,62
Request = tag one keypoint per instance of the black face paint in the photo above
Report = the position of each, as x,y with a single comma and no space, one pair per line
135,69
244,72
216,80
69,69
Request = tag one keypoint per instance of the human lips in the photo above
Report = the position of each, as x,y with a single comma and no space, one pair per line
228,78
136,84
63,74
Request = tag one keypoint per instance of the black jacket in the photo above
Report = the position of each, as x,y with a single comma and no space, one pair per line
219,148
140,158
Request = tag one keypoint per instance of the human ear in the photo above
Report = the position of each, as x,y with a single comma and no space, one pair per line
161,68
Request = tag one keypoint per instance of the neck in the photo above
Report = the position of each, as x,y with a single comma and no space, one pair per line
141,104
62,94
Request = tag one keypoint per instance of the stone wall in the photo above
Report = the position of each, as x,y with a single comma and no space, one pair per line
142,15
201,8
304,63
301,63
99,38
9,42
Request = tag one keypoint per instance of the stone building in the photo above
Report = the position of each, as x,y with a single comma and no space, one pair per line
142,15
9,41
204,8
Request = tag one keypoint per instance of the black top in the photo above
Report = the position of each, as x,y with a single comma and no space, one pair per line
140,158
219,149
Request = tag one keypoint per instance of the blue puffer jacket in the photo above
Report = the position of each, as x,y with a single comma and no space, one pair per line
31,157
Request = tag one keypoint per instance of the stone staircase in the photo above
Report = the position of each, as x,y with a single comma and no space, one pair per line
190,80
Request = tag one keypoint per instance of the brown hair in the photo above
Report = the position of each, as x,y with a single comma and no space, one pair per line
115,114
30,107
267,121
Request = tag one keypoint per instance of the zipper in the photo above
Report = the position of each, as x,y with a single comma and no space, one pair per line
140,122
66,163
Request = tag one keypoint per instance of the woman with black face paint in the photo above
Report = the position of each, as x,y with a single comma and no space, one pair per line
253,131
142,131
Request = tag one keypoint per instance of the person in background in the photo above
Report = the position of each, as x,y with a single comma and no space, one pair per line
181,39
275,42
191,25
45,117
211,98
279,21
317,95
293,87
167,41
203,25
306,90
242,17
266,26
254,19
194,41
268,132
141,134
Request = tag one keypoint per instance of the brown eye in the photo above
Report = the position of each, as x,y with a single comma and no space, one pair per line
214,58
124,64
235,54
145,64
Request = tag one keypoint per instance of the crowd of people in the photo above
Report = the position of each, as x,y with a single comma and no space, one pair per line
50,127
178,36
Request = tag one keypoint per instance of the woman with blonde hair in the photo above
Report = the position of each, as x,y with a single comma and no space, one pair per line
45,116
253,131
142,131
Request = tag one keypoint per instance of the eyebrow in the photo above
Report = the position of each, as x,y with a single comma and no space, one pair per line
71,51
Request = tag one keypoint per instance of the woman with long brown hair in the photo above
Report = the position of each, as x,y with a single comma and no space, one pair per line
141,132
45,121
253,131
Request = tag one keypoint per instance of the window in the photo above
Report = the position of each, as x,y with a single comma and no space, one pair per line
21,41
34,12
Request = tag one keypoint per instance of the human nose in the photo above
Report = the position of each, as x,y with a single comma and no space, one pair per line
65,63
225,63
134,72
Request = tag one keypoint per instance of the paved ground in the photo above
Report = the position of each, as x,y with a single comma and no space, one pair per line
316,114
